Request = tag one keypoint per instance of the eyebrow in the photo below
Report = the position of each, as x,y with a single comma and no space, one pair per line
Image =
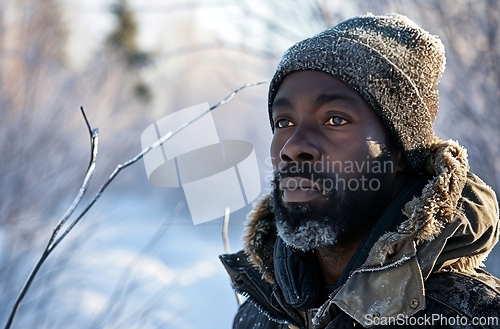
321,100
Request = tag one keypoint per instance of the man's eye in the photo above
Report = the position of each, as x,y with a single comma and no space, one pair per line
283,123
336,121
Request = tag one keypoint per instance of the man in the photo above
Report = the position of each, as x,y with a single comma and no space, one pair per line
372,219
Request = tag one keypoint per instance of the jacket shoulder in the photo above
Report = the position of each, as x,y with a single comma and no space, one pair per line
472,296
249,317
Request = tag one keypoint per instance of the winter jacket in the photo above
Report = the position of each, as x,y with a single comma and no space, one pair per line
419,267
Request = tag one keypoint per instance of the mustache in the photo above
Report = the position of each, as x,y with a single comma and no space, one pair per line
289,178
295,170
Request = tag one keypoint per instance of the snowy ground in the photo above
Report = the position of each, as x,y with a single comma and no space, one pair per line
134,267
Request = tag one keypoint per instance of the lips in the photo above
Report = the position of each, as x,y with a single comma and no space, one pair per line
297,189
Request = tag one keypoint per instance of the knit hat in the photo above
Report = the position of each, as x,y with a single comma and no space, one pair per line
391,62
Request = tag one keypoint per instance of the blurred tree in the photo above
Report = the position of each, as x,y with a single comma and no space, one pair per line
44,144
123,40
124,37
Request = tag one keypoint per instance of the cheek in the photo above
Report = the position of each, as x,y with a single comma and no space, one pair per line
351,148
376,140
376,149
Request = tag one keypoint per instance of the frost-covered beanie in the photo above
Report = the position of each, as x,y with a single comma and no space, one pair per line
393,63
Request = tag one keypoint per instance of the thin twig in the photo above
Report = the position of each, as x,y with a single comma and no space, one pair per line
225,225
54,240
225,240
83,189
156,144
50,246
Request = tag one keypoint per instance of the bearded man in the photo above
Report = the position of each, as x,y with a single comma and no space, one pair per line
372,219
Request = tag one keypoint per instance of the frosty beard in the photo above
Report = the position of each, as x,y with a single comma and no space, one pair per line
340,216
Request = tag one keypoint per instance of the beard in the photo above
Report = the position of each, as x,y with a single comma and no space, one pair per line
342,214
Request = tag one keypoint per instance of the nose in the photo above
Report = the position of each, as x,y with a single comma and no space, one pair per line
301,146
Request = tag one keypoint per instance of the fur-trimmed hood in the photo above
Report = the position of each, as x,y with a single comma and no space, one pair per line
451,226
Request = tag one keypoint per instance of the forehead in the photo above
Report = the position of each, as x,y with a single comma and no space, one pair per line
307,77
314,87
307,91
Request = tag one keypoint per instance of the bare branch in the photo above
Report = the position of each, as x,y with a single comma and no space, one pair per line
54,241
139,156
225,240
50,246
225,225
94,141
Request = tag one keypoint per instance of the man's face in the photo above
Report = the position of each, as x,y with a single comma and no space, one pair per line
334,162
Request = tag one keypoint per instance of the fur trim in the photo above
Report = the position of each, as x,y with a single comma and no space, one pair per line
435,207
259,238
